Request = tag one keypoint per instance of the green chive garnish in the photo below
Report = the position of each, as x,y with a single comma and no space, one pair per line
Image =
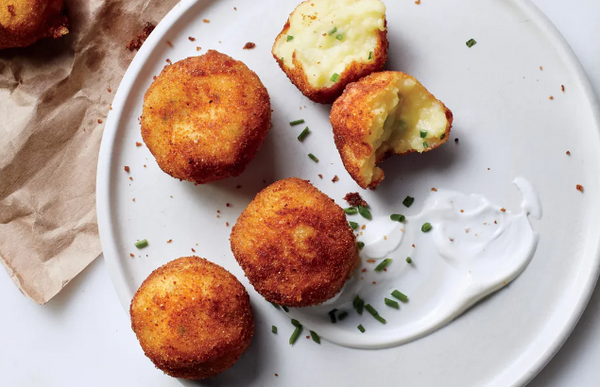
350,211
360,245
385,263
313,157
380,319
303,135
295,335
361,328
342,315
423,133
335,77
358,304
371,310
443,136
275,305
285,308
273,329
408,201
296,323
364,211
333,31
290,38
354,225
297,122
141,244
315,337
408,260
426,227
398,218
471,43
340,37
425,145
370,55
392,303
332,316
399,295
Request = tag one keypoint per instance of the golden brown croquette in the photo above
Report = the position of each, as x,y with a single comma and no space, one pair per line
205,117
192,318
23,22
327,44
294,244
383,114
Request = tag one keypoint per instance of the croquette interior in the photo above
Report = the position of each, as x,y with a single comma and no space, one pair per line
326,36
407,118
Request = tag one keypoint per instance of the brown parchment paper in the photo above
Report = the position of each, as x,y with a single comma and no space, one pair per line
54,97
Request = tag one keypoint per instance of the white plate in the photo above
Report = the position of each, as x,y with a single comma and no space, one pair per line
507,127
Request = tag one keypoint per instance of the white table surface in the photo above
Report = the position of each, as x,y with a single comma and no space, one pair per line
83,338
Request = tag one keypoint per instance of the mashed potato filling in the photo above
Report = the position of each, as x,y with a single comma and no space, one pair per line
407,118
327,35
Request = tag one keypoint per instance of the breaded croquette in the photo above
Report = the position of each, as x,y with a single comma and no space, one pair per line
192,318
327,44
294,244
204,118
383,114
23,22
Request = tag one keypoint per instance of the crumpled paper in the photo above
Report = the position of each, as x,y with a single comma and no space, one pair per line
54,98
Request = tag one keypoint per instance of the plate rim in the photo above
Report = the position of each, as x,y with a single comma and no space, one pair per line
544,352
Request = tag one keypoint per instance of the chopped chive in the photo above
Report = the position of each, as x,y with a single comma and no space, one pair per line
385,263
409,260
371,310
315,337
443,136
273,329
332,31
275,305
471,43
303,135
364,212
398,218
358,304
426,227
285,308
350,211
399,295
423,133
360,244
141,244
354,225
408,201
370,55
380,319
392,303
290,38
342,315
340,37
296,323
297,122
361,328
295,335
335,77
313,157
425,145
332,316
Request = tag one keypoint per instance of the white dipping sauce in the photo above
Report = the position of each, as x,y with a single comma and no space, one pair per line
474,248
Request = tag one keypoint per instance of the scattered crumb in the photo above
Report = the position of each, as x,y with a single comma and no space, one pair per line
540,68
249,46
417,2
467,230
218,211
236,10
136,43
218,216
503,209
227,204
169,61
131,255
170,240
488,169
99,120
363,226
335,179
171,196
451,239
192,39
169,43
363,271
307,337
370,260
495,222
320,176
138,144
198,48
551,97
385,237
562,88
434,189
144,165
456,140
130,178
193,251
579,188
462,211
374,283
354,199
206,20
413,245
568,153
126,168
227,224
109,89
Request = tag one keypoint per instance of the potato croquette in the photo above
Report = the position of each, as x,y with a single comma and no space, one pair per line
23,22
294,244
383,114
327,44
205,117
192,318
